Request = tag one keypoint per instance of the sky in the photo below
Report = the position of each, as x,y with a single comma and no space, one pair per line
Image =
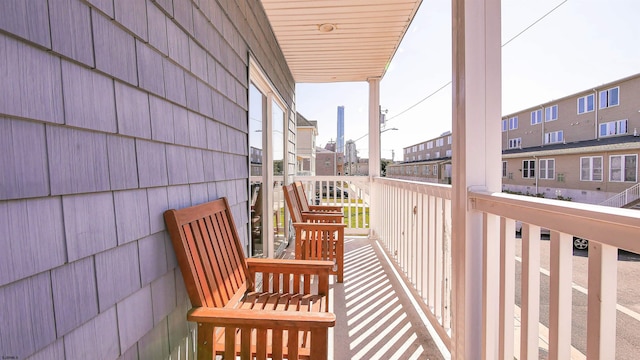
581,44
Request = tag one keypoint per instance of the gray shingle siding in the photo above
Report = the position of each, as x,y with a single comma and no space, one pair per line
114,112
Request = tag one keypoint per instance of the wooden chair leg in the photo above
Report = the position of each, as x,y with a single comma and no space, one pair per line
319,348
205,342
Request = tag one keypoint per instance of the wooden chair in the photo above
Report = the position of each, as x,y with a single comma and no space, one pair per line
260,308
304,205
319,236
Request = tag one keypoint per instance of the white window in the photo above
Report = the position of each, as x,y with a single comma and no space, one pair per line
591,168
528,169
448,153
586,104
553,137
439,142
536,116
623,168
430,145
428,156
414,149
406,151
435,170
415,169
547,169
504,125
513,123
437,154
609,98
449,139
419,157
421,147
551,113
504,169
515,143
613,128
425,170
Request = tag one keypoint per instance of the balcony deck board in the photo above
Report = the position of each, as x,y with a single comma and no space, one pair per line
375,318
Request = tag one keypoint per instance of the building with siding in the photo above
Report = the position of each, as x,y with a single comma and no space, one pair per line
584,146
110,114
307,131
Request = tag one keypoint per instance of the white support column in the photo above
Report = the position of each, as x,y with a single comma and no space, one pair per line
476,160
374,149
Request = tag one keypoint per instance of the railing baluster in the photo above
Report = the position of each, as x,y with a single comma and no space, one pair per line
601,305
507,287
530,290
432,253
439,257
561,257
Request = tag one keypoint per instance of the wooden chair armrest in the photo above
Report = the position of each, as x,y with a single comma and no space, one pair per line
289,266
326,208
322,217
319,226
265,319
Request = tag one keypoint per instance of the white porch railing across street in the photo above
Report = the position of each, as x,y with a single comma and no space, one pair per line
623,198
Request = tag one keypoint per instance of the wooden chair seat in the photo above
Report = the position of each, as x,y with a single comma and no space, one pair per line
267,301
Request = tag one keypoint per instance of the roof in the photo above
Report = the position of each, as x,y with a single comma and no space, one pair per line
339,40
595,145
302,121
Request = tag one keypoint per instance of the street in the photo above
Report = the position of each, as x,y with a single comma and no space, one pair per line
628,314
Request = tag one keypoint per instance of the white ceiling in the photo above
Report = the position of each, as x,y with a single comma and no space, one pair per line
366,36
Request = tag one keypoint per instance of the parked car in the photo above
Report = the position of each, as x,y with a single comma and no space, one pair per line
578,243
330,191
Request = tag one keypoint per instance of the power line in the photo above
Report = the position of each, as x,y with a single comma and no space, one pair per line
503,45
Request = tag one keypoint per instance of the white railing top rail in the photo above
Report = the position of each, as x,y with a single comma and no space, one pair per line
624,197
432,189
612,226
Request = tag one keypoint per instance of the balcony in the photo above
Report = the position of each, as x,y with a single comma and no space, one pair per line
114,112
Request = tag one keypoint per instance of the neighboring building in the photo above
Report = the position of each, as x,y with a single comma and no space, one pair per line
584,146
331,146
340,139
307,131
436,148
255,158
350,157
329,162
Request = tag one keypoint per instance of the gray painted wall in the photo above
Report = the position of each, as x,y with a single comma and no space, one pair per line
112,111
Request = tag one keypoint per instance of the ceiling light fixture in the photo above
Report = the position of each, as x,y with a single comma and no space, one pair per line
326,28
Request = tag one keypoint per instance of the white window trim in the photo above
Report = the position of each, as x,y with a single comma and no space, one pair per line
551,118
546,169
622,168
513,123
504,169
585,104
616,127
548,136
600,105
516,142
528,171
537,119
591,168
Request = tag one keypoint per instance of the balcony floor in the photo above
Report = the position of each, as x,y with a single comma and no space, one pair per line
375,317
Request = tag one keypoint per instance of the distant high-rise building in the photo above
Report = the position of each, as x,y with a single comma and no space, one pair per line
340,139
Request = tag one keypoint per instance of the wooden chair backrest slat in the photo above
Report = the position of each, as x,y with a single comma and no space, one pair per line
208,251
303,201
292,203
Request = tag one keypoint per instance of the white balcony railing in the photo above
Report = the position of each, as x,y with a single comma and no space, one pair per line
412,220
350,192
